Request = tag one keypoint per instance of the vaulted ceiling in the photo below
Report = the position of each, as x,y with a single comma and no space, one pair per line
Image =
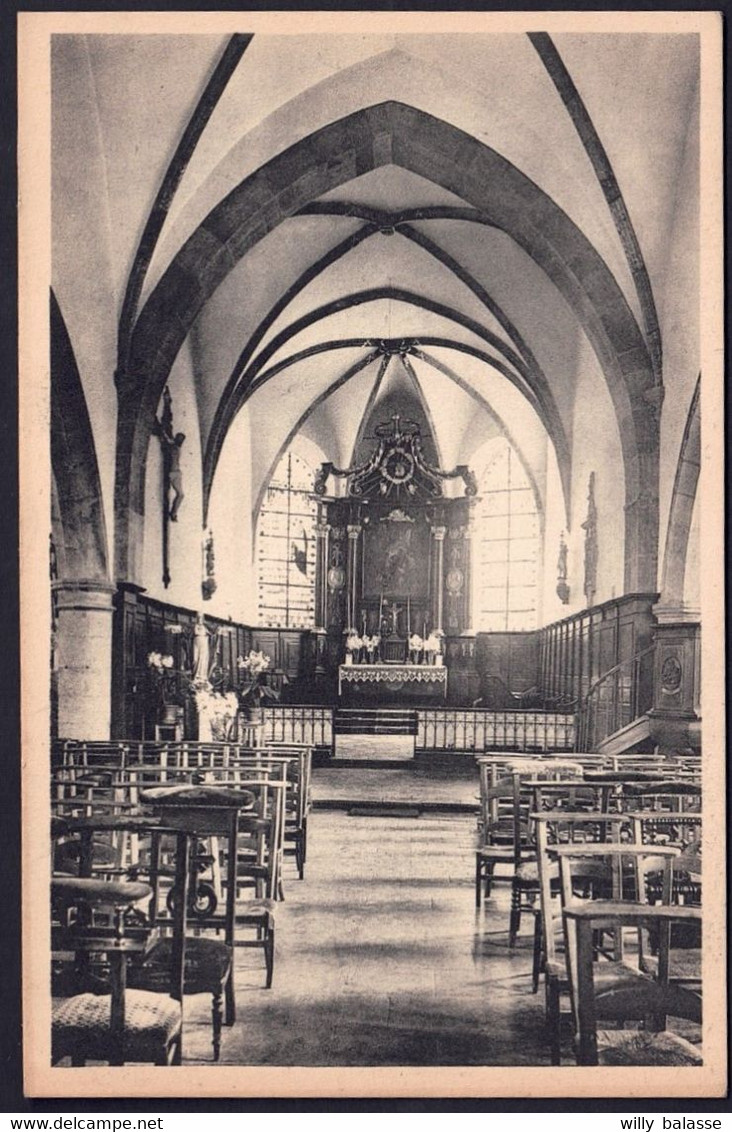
472,221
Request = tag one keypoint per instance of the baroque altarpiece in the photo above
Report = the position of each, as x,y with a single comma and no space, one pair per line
393,563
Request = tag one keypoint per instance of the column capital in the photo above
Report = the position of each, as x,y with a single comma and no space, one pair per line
354,530
84,594
438,533
322,529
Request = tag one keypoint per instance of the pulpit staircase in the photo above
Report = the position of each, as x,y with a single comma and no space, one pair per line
613,717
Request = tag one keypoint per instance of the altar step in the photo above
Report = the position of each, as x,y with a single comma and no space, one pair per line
374,721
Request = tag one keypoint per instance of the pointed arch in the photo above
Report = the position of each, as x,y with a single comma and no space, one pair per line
74,464
682,506
395,133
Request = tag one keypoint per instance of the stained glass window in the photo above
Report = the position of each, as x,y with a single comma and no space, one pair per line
506,543
286,547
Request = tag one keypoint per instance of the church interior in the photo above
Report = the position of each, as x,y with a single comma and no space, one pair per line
376,640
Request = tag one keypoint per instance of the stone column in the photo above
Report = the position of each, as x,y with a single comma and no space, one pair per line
84,659
438,534
354,530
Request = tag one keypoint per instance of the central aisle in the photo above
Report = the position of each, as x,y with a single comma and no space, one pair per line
382,960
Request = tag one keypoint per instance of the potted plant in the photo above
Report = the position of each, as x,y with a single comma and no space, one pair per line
163,676
416,644
255,692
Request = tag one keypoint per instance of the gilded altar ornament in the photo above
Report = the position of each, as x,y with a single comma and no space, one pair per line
454,582
336,578
396,469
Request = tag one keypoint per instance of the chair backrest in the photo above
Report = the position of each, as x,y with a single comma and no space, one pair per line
562,827
262,831
627,867
500,808
656,999
79,927
679,827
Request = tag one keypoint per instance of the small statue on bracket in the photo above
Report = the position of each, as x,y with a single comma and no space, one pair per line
562,587
591,551
208,583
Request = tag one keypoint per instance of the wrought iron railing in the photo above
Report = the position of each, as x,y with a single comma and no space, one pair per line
475,729
299,723
616,699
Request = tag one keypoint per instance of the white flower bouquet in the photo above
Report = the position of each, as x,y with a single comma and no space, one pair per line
255,691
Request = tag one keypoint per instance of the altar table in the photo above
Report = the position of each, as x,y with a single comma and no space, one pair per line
433,677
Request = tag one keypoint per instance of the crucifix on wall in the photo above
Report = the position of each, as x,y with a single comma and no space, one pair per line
171,444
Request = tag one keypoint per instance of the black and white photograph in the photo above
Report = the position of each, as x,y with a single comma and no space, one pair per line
371,483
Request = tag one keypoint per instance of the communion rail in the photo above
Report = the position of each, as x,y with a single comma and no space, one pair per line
451,730
299,723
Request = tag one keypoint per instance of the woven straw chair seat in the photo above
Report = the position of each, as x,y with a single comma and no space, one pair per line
83,1023
639,1047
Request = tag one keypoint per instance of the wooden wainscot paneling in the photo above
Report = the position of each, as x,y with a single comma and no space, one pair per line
508,665
576,651
676,685
463,678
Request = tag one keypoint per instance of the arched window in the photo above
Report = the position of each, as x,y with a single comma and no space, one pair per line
506,544
286,547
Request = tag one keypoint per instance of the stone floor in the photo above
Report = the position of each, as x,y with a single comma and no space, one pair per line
381,958
429,782
373,748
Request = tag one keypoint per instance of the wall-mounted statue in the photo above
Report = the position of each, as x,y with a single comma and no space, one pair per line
562,586
208,582
171,444
591,550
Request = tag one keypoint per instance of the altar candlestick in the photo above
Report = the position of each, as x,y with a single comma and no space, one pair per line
381,609
409,619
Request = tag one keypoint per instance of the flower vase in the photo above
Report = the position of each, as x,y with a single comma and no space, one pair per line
349,658
171,715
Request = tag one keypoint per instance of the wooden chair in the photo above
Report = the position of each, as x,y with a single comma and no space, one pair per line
497,828
505,822
92,918
654,1044
627,994
553,829
196,811
297,801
